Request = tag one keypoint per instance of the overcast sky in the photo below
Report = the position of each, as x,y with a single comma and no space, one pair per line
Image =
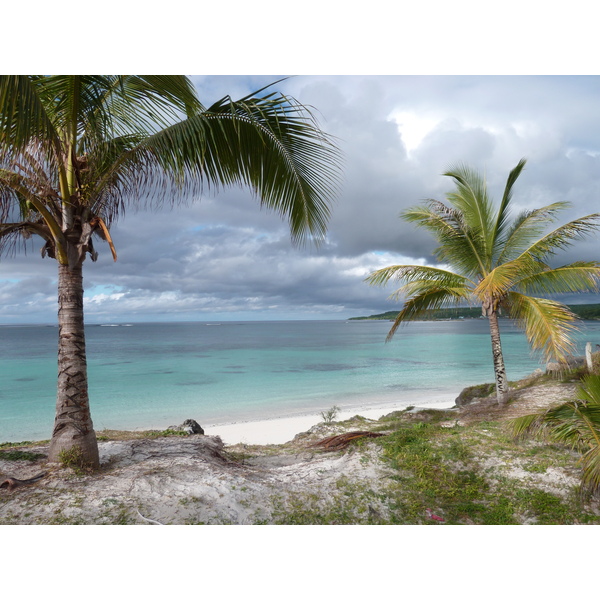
225,258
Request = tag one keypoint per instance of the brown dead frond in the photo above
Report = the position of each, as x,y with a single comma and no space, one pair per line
341,441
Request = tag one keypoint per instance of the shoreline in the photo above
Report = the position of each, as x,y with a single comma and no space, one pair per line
279,430
283,428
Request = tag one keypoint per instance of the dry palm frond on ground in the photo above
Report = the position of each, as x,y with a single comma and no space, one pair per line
341,441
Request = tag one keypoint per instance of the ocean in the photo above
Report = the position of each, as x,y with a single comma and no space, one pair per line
153,375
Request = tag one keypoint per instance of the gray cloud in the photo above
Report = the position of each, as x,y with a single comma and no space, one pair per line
224,257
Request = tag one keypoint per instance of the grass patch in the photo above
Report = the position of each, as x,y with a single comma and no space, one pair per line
164,433
73,458
20,455
350,503
20,444
441,469
468,394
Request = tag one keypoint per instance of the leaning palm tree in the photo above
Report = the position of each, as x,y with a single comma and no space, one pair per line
496,263
76,151
575,423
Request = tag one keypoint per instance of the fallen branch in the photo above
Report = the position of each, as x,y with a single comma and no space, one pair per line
12,482
341,441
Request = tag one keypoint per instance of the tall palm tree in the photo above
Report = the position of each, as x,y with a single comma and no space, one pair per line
76,151
496,263
575,423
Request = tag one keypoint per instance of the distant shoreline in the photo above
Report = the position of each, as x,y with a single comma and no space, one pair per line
586,312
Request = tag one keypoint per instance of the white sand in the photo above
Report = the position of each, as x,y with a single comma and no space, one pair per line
281,430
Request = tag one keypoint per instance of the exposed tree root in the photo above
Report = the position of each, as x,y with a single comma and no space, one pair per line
11,482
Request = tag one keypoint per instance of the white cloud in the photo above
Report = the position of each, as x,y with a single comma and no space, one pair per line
413,128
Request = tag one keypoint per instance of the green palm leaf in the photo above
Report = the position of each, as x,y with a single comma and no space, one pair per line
525,229
572,278
562,237
425,289
575,423
430,297
472,201
458,245
267,144
502,218
502,264
23,115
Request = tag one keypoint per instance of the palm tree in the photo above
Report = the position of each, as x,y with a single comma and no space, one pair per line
76,151
496,263
575,423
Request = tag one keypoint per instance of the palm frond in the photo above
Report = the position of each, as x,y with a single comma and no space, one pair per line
426,288
500,280
590,463
145,104
548,325
572,278
575,423
23,117
569,423
269,145
503,214
412,273
527,228
432,298
471,199
100,107
458,245
563,236
14,236
589,391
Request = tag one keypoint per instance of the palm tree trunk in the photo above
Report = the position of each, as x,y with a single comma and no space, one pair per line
499,369
73,423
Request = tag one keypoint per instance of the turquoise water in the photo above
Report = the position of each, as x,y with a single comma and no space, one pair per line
154,375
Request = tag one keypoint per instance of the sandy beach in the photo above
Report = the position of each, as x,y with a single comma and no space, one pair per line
281,430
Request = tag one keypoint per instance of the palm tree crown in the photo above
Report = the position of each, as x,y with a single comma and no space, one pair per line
83,147
496,262
77,150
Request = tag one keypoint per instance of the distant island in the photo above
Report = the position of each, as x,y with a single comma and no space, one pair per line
587,312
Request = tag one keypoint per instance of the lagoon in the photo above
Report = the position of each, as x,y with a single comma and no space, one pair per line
152,375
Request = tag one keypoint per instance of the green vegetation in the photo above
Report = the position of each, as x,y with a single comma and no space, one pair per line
75,459
20,455
165,433
575,423
330,414
463,475
474,391
350,503
582,311
496,263
437,467
19,444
